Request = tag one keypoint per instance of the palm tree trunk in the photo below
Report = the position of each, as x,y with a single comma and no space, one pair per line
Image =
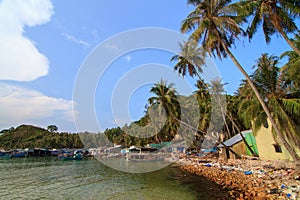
289,42
224,117
196,129
287,39
263,104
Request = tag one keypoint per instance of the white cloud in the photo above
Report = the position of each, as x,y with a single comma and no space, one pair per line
128,58
74,39
19,58
20,105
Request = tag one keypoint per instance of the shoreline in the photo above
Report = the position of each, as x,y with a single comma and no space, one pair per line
249,179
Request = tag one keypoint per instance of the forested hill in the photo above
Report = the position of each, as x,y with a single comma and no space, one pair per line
28,136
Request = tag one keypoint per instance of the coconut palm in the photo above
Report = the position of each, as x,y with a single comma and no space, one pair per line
291,69
202,91
275,16
190,59
202,94
165,99
285,110
216,25
216,89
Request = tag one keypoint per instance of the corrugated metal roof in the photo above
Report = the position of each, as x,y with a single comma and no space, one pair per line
235,139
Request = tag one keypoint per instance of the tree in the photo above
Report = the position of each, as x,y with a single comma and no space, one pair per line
52,128
275,16
204,102
291,69
285,110
216,25
165,99
190,59
216,88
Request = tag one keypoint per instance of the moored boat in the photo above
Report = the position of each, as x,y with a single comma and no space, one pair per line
5,155
70,155
18,153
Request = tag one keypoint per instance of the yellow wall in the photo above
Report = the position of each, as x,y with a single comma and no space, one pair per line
239,148
265,141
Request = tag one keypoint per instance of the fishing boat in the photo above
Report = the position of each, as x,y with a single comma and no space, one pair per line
70,155
5,155
144,155
18,153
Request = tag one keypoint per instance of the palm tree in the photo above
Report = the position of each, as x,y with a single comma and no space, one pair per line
291,69
216,88
202,91
165,99
190,59
216,25
284,110
202,94
274,15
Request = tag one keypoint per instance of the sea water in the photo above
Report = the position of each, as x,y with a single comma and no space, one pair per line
50,178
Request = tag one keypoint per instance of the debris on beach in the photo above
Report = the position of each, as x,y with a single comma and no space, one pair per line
251,179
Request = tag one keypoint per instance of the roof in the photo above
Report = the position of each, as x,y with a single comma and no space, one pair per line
160,145
235,139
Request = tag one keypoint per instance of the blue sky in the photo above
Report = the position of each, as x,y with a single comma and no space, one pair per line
44,43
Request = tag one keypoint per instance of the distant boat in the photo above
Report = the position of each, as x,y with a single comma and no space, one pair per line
144,154
18,154
4,155
69,155
144,157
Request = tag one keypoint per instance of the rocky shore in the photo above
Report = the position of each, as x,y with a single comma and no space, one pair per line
249,179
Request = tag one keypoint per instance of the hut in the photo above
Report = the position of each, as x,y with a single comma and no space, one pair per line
237,145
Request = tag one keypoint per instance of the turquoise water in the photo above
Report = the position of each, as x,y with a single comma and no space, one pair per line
48,178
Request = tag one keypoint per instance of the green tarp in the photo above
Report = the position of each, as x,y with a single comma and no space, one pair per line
250,139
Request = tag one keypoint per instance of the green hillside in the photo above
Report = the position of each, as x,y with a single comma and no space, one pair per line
28,136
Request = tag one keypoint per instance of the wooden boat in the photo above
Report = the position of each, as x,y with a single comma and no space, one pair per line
68,155
4,155
18,154
144,157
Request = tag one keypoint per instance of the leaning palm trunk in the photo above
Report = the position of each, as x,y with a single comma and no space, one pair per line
224,116
196,129
263,104
281,31
224,119
288,41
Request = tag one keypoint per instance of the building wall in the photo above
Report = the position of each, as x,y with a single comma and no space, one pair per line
239,148
265,145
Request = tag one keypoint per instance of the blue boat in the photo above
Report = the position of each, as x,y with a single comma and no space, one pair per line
18,154
68,155
4,155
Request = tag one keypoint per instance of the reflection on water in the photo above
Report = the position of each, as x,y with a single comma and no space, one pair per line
48,178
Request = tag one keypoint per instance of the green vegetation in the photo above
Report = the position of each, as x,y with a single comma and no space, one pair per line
27,136
216,24
270,93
